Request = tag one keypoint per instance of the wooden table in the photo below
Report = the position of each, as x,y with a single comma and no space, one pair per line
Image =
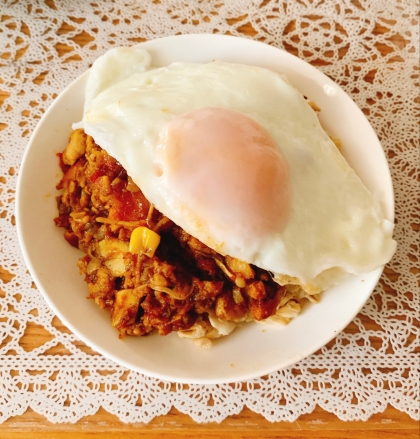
319,424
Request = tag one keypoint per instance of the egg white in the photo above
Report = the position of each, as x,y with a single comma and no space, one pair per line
335,225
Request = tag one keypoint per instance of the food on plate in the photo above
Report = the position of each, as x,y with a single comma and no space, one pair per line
150,273
208,194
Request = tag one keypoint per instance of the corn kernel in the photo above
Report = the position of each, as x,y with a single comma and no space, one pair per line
144,241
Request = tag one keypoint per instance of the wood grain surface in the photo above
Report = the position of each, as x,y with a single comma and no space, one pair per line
319,424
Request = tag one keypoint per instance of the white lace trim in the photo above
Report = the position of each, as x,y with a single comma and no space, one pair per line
361,370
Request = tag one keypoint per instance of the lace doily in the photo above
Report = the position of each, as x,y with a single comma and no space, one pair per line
368,47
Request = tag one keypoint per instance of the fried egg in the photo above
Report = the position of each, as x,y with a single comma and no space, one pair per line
235,156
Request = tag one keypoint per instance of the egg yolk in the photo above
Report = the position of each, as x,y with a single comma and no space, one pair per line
227,169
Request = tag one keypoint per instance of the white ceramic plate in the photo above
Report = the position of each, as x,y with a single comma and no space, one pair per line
252,350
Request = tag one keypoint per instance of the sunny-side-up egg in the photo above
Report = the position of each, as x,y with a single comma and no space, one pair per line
235,156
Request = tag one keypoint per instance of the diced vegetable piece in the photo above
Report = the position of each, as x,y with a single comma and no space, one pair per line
144,241
76,147
240,268
116,266
256,290
126,306
111,248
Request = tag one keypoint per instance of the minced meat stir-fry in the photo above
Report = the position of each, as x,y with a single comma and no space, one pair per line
146,271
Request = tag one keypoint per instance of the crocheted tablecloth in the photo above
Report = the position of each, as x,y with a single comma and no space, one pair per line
370,48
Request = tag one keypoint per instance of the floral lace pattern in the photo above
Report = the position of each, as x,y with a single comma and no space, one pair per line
370,48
